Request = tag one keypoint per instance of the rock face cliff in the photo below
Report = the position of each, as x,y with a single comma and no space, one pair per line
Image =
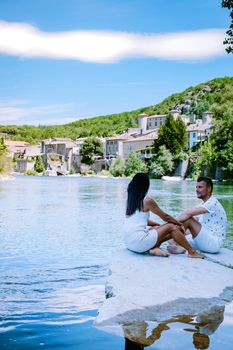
143,287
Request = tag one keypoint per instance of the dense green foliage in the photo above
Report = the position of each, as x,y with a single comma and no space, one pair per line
117,168
202,160
229,39
114,124
222,140
172,134
3,148
91,147
39,166
134,164
5,162
162,163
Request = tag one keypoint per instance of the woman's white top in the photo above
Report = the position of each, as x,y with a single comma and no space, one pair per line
137,235
137,221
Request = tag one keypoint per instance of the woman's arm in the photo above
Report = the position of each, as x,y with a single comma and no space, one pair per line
151,205
152,223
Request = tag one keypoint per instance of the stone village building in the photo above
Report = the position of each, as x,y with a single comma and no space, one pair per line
63,154
23,153
138,139
200,130
58,155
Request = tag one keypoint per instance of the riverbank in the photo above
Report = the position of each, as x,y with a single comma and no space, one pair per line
4,177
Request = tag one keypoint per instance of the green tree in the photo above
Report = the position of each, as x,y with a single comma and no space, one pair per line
3,148
172,134
117,168
39,165
134,164
181,133
229,39
205,160
91,147
162,163
200,107
222,139
5,162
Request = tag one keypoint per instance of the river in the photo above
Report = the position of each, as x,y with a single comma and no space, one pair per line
57,237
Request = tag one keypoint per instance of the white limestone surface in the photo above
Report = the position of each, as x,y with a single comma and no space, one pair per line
224,257
144,287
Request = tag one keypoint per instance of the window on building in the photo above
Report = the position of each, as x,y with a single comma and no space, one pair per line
194,134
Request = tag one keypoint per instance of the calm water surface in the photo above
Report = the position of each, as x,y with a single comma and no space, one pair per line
57,237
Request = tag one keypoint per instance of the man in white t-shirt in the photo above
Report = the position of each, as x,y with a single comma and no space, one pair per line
208,231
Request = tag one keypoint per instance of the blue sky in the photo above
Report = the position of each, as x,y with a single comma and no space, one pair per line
63,60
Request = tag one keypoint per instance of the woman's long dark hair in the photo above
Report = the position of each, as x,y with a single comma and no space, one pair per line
137,190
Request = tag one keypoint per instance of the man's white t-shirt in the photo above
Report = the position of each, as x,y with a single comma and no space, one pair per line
215,220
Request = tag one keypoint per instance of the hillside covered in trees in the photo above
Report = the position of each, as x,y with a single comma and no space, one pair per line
215,95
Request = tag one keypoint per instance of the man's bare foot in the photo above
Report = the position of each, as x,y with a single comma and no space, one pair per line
175,249
159,252
195,254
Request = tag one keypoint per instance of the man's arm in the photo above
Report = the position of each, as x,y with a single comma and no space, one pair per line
189,213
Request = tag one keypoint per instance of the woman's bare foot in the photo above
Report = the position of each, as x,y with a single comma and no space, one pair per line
175,249
159,252
195,254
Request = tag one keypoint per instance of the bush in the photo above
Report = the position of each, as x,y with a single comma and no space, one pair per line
39,165
72,171
117,168
162,163
87,172
104,173
31,173
134,164
6,164
91,147
90,172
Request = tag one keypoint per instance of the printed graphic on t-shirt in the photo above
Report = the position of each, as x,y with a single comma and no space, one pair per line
215,220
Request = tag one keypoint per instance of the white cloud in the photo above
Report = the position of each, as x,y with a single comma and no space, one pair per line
25,40
19,112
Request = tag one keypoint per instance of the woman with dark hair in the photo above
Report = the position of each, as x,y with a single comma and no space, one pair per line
142,234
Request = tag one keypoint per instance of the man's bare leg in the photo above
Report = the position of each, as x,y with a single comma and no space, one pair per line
168,231
181,240
193,225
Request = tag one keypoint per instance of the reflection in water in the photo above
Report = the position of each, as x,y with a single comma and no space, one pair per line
203,325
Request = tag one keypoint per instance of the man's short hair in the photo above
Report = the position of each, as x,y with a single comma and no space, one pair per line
207,180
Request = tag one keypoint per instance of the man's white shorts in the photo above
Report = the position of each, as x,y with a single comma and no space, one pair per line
205,241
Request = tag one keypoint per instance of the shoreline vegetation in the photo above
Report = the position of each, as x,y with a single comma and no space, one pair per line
212,156
12,176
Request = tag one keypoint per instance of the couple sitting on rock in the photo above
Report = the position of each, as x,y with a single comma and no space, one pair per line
205,233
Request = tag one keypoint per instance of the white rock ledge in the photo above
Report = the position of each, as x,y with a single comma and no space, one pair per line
144,287
6,177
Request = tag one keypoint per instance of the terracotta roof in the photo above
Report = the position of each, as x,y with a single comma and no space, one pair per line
120,137
11,143
157,116
138,139
196,127
68,142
